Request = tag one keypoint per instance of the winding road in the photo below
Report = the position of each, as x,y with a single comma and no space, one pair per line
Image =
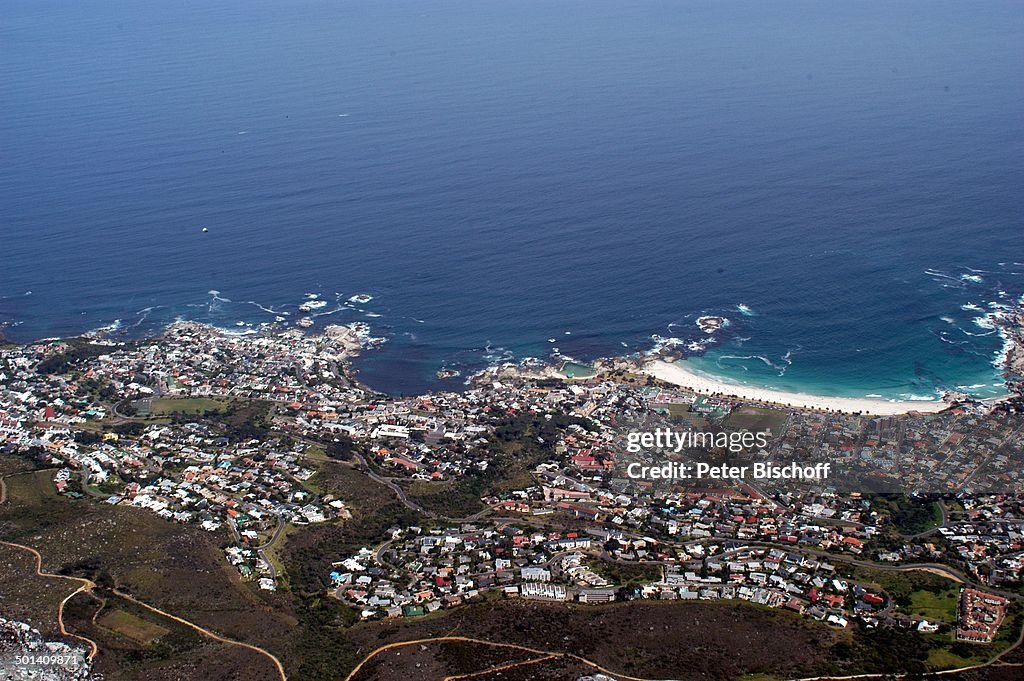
542,655
394,487
84,586
206,632
88,586
262,550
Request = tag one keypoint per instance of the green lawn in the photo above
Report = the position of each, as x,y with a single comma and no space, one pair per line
916,593
626,574
935,607
756,419
132,626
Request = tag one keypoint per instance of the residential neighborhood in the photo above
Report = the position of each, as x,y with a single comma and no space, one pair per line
227,432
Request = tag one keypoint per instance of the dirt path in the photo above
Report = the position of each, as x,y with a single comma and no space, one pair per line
84,586
500,668
87,586
886,677
542,655
206,632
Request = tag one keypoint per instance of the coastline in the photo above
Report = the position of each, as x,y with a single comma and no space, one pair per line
354,338
679,373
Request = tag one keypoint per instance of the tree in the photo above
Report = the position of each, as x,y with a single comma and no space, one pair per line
88,437
342,449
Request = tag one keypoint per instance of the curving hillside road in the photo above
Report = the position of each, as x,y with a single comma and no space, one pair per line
394,487
262,550
84,586
87,586
206,632
542,655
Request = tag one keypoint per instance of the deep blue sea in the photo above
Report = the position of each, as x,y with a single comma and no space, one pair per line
507,177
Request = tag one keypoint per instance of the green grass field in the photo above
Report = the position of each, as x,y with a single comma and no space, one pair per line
165,406
756,419
626,574
33,487
935,607
918,594
132,626
945,657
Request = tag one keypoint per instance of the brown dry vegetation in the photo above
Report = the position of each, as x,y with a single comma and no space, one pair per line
342,479
994,673
177,568
437,660
554,669
26,597
179,654
13,465
647,639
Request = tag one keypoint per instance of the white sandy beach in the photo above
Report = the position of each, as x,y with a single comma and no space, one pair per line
679,373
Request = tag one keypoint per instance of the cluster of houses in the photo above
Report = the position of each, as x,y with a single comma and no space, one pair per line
195,360
185,471
774,578
988,539
964,449
420,570
979,616
824,521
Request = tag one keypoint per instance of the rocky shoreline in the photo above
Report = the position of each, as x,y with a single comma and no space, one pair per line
1011,325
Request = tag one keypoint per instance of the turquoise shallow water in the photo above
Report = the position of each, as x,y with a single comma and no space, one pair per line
498,174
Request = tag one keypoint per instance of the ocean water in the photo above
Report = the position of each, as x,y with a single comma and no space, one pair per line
842,181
